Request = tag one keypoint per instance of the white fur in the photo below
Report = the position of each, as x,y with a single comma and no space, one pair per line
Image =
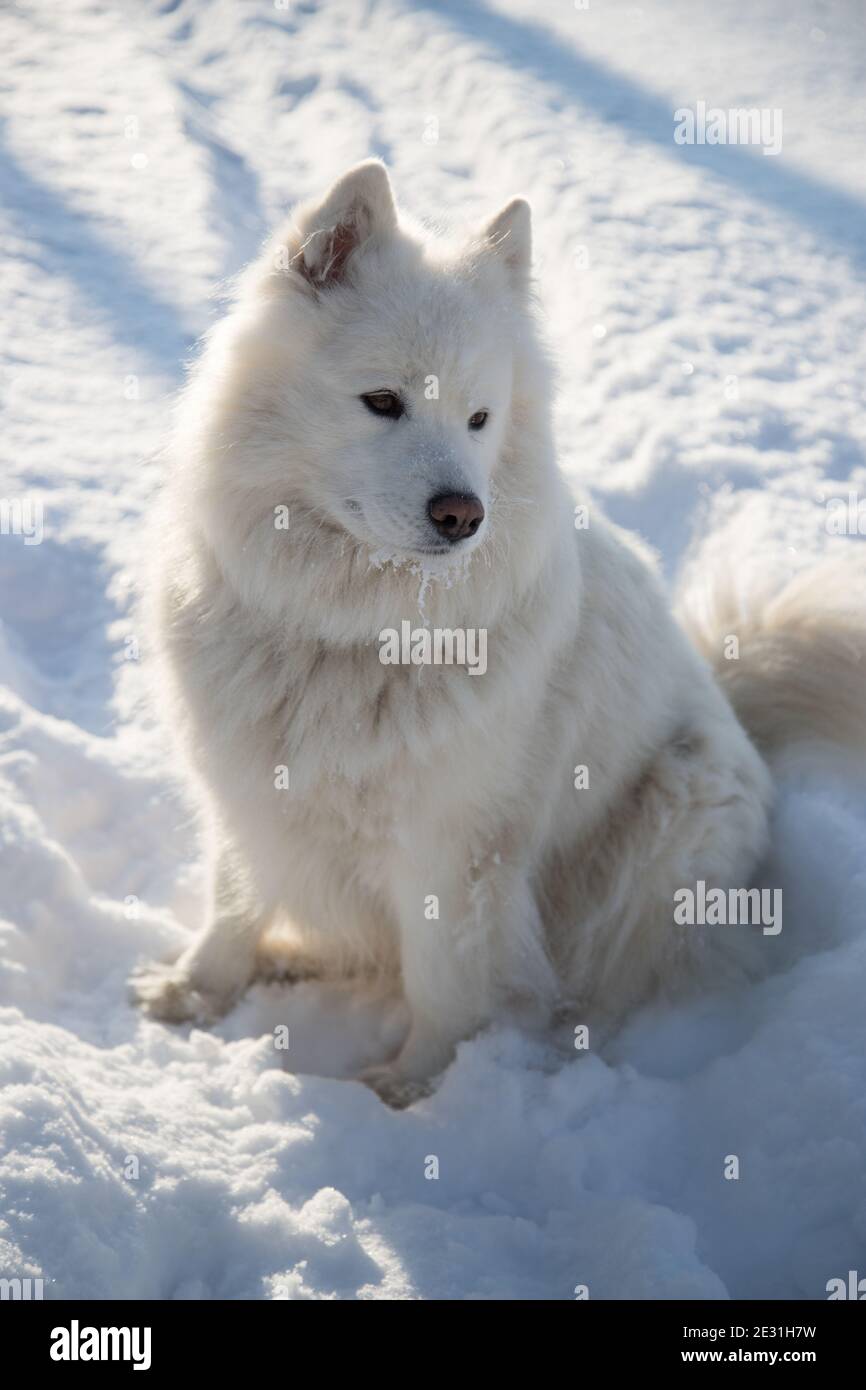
405,781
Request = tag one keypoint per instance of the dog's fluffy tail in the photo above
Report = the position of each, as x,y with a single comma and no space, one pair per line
791,660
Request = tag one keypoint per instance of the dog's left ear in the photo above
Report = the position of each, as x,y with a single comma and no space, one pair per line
360,205
509,237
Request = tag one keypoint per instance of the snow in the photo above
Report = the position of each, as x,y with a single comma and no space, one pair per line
708,308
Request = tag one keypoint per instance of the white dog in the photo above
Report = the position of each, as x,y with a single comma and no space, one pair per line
366,444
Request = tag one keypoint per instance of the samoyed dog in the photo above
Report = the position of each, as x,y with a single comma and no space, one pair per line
365,498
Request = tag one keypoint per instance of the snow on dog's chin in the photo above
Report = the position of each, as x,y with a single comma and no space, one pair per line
446,569
445,566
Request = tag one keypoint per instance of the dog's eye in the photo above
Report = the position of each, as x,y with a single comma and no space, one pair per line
478,420
384,403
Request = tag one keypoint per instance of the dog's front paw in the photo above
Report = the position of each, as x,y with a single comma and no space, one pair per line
168,993
394,1087
414,1072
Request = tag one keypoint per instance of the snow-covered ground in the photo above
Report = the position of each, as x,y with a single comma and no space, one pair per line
708,307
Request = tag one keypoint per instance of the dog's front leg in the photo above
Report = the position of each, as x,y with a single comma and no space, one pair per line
469,941
217,967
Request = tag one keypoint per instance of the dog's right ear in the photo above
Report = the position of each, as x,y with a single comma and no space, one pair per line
509,236
358,208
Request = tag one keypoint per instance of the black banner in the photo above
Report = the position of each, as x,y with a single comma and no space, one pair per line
84,1339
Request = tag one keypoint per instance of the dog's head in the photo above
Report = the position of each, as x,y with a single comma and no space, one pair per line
389,392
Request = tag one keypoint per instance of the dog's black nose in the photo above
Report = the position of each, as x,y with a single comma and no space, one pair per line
456,515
